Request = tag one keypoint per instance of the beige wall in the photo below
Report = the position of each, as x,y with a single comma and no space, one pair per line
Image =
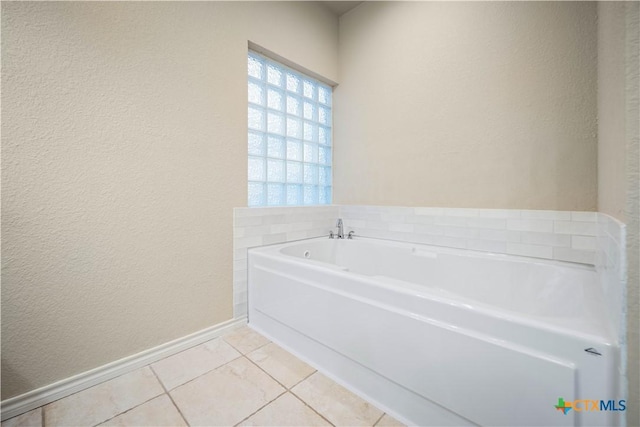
611,106
123,154
118,119
619,158
481,104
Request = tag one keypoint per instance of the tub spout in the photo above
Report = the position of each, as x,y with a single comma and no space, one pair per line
340,229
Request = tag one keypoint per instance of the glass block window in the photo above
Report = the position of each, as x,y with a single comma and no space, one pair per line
289,136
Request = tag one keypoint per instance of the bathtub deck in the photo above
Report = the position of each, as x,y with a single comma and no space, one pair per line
239,379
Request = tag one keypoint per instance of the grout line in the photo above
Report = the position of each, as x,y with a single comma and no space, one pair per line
260,408
42,408
214,369
244,354
252,350
314,371
203,374
379,419
311,407
268,374
230,361
93,386
128,410
73,394
169,396
80,391
290,389
287,389
318,412
178,409
274,378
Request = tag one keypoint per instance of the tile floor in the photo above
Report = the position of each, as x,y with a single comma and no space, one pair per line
239,379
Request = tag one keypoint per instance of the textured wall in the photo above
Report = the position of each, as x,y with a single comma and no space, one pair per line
632,209
123,154
611,95
480,104
619,158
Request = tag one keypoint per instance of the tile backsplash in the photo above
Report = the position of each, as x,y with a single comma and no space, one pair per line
559,235
266,226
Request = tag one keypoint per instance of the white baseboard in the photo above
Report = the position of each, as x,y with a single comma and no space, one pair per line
14,406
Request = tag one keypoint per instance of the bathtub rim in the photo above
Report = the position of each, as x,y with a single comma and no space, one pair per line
435,248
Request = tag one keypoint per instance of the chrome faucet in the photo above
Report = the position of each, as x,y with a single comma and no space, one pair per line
340,230
340,233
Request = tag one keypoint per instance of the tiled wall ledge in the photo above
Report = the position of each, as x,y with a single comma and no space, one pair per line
611,267
266,226
559,235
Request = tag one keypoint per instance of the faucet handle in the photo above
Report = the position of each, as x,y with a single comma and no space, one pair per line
351,234
331,234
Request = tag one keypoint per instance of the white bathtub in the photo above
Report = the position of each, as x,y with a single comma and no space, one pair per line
440,336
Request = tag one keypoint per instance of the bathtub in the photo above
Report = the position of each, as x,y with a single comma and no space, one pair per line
439,336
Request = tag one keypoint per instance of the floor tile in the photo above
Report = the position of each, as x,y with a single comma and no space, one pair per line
214,384
388,421
226,395
245,339
156,412
287,410
189,364
280,364
103,401
336,403
28,419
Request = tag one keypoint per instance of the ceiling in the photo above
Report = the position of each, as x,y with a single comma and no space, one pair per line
340,7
